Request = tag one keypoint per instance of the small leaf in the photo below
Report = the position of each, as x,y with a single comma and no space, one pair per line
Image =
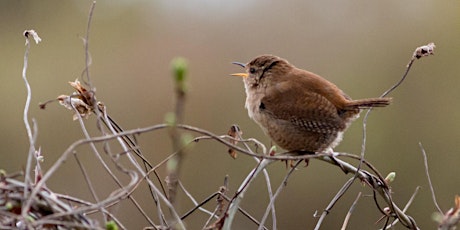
234,132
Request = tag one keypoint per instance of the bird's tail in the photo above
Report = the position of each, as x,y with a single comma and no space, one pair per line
368,103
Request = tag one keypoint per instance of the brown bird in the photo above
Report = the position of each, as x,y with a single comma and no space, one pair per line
299,110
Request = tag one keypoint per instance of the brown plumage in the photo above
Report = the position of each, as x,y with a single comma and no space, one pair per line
299,110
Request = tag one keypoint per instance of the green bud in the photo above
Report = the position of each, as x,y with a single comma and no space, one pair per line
179,68
170,119
111,225
186,138
172,164
8,206
272,150
2,173
390,177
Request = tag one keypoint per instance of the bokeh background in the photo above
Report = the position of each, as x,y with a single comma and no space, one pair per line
362,46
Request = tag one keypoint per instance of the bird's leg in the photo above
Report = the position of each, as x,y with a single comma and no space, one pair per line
304,152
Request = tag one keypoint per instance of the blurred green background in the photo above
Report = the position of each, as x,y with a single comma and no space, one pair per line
362,46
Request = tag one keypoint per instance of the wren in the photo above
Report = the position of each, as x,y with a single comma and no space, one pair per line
299,110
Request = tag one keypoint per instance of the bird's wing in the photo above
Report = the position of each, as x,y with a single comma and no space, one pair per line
302,107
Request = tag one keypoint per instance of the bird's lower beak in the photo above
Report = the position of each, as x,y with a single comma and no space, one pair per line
239,74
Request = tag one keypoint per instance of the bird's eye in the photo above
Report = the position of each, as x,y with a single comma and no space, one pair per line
252,70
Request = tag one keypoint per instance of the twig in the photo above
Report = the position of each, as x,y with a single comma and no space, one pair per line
179,67
123,143
271,204
106,167
405,207
133,145
270,196
46,201
198,206
350,211
378,184
88,182
419,52
86,44
70,150
80,201
331,204
89,96
411,199
115,128
425,160
210,197
31,137
193,199
117,195
234,204
267,177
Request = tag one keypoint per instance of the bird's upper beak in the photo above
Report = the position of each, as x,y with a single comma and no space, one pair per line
239,74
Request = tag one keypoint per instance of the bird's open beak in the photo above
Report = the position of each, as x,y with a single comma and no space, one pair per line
239,74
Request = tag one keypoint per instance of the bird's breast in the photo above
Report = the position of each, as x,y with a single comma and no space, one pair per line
254,103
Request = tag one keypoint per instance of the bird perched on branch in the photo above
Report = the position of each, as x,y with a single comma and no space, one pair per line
299,110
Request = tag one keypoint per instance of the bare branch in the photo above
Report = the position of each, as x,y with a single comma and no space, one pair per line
405,207
419,52
350,211
331,204
271,204
86,44
425,161
30,135
235,202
